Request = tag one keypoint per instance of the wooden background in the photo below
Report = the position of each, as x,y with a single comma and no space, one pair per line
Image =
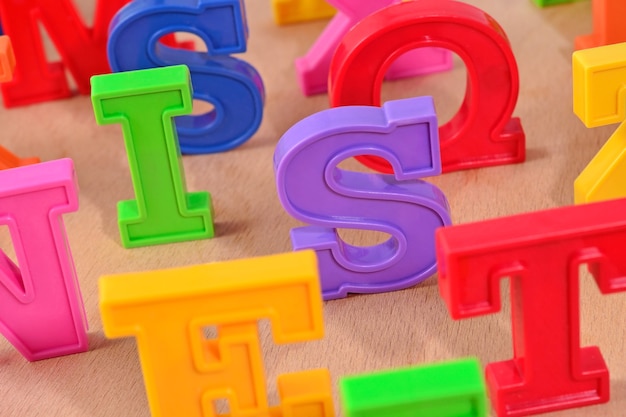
363,333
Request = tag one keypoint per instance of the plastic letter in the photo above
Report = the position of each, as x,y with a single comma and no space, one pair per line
184,372
312,189
145,102
82,49
544,3
7,59
7,66
599,76
233,86
41,308
608,25
292,11
541,252
313,68
449,389
482,133
9,160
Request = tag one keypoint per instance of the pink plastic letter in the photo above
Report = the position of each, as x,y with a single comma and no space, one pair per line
41,309
313,68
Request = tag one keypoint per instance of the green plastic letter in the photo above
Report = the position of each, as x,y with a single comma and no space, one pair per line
544,3
439,390
145,102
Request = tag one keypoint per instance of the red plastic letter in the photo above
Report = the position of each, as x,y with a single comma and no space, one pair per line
41,310
312,69
83,50
482,133
542,253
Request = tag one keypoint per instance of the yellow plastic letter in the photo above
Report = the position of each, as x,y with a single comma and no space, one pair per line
293,11
599,76
185,373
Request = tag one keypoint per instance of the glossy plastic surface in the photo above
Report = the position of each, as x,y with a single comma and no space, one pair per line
293,11
7,59
450,389
314,190
145,102
9,160
41,308
82,49
599,76
312,69
185,372
544,3
231,85
482,133
7,66
542,253
608,24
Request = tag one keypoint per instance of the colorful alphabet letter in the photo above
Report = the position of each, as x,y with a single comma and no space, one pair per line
544,3
313,68
449,389
599,76
541,253
82,49
482,133
145,102
233,86
608,25
312,189
41,308
185,373
7,67
292,11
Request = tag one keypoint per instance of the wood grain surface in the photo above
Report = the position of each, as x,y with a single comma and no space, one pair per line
363,333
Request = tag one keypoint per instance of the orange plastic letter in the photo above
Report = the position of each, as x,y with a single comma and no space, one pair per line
7,66
608,25
184,372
